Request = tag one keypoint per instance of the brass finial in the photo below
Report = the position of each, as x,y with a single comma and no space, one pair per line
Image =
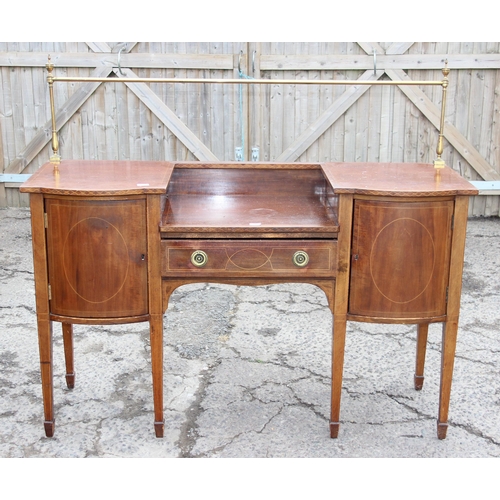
49,65
446,70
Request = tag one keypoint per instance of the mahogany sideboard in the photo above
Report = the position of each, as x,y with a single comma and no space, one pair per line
113,239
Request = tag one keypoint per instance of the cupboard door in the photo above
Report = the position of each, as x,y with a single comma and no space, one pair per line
400,258
97,253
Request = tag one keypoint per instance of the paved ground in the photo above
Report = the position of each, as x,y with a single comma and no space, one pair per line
247,373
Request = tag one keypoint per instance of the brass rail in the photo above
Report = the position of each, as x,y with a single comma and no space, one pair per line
56,159
247,81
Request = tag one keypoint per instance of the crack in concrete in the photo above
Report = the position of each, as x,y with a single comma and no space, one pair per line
230,440
188,435
474,431
397,399
477,361
308,406
14,272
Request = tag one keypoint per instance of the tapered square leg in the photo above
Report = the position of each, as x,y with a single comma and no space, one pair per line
422,332
46,370
338,348
67,329
156,333
449,343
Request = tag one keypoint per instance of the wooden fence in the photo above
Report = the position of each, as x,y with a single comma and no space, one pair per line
275,122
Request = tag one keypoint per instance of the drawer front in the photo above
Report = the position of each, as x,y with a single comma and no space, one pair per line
257,258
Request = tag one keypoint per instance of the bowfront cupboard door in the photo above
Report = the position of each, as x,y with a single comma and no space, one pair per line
400,258
97,257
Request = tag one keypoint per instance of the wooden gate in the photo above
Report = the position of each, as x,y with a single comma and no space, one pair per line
274,122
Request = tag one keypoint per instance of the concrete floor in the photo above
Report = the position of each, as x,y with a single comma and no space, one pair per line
247,373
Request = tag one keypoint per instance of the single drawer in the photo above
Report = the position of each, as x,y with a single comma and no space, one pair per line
253,258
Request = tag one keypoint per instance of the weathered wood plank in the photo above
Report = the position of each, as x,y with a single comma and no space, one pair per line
488,139
398,125
326,98
1,141
30,103
75,122
192,94
287,118
314,98
181,103
370,48
375,123
386,124
270,62
338,129
477,110
3,196
205,103
107,58
134,128
99,46
6,119
363,113
398,48
339,107
17,111
276,110
254,104
157,127
410,130
110,121
492,206
168,117
235,99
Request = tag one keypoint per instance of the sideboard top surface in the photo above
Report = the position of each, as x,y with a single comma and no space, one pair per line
396,179
252,201
108,177
100,178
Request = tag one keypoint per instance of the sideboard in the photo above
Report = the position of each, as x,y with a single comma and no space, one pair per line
113,239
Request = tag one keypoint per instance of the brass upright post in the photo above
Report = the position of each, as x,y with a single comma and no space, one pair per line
55,158
439,162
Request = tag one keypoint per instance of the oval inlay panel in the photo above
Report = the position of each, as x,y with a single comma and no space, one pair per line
402,260
90,243
249,258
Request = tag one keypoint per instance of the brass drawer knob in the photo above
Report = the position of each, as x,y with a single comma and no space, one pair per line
199,258
300,258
